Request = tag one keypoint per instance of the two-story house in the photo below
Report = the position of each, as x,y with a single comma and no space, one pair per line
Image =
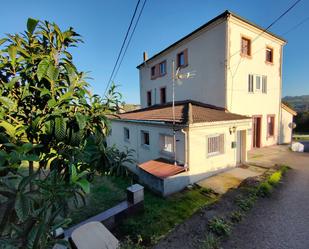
231,105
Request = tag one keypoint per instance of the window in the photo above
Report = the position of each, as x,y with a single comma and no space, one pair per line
264,84
149,98
163,95
153,71
258,82
270,125
182,58
162,68
145,138
245,46
215,145
269,55
126,133
167,143
250,83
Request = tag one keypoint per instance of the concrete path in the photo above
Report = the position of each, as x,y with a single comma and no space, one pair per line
222,182
282,221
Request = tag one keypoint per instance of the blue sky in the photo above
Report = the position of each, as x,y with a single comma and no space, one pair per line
103,25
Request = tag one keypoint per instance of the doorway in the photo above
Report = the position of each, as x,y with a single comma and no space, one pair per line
256,133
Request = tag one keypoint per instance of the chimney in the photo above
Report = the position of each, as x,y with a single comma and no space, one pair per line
145,56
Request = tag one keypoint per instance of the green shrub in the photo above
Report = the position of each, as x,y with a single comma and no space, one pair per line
219,227
275,178
211,242
247,203
264,189
284,169
236,216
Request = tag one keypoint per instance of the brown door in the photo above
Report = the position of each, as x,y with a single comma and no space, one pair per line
256,132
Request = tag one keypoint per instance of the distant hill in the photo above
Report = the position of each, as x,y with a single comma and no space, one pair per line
298,103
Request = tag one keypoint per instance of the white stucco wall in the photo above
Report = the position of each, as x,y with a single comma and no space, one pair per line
206,54
286,131
141,153
200,163
239,100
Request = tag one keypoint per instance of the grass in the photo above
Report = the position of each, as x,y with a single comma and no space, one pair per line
211,242
162,215
105,193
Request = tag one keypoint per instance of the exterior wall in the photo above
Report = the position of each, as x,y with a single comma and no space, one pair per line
206,55
141,153
285,130
200,164
239,100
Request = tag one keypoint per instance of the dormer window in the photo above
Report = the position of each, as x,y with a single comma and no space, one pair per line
245,46
269,55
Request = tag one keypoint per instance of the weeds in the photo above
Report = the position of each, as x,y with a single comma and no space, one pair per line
211,242
247,203
219,227
275,178
236,216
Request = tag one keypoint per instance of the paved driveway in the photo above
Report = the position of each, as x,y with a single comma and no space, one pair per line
281,221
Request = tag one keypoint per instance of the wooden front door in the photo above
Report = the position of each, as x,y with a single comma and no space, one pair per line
256,134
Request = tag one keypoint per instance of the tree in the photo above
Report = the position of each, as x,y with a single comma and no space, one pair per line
50,129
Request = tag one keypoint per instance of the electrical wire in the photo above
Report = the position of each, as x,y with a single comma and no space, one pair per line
122,46
128,43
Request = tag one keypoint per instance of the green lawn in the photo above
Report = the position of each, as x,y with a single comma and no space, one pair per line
162,215
105,193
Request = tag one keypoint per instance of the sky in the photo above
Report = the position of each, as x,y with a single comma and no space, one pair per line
103,25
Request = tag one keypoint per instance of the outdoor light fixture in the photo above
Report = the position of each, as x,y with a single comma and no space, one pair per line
232,129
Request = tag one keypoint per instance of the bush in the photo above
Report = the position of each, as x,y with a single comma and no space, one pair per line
211,242
236,216
284,169
247,203
275,178
264,189
219,227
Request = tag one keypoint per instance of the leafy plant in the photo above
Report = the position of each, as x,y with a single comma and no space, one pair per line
48,120
236,216
275,178
246,203
219,226
264,189
211,242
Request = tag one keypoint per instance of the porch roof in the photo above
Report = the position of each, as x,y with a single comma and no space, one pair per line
161,168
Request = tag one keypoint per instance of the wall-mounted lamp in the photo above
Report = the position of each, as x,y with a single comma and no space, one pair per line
232,129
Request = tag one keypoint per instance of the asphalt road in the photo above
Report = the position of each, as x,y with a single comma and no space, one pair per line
281,221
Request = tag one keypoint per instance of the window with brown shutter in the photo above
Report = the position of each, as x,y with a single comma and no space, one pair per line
182,58
269,55
163,95
149,98
245,46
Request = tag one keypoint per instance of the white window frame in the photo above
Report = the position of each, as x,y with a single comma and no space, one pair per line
251,83
264,84
163,143
162,65
219,151
258,82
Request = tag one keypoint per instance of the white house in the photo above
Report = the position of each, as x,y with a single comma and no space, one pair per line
233,104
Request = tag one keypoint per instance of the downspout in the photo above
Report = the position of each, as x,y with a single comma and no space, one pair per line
186,149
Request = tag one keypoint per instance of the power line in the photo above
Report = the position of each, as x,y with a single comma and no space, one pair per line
132,33
122,46
272,24
296,26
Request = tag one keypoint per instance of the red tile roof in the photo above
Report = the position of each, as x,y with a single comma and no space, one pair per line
161,168
186,112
